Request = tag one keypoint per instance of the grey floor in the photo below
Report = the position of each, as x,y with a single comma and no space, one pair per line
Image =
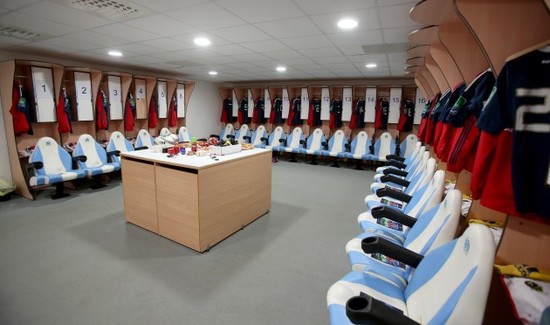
76,261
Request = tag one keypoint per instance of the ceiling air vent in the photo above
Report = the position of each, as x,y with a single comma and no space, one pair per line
18,33
112,9
385,48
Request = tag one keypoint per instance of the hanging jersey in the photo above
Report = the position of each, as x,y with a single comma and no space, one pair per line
314,117
242,116
129,113
357,120
434,117
443,133
521,101
173,113
102,108
258,115
335,114
152,118
63,114
276,116
295,110
20,122
382,111
227,110
406,118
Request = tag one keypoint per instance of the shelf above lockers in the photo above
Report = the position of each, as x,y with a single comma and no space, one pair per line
424,36
416,61
504,28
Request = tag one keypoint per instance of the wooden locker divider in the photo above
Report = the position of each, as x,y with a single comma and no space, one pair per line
80,127
429,12
526,22
427,75
151,91
15,71
437,73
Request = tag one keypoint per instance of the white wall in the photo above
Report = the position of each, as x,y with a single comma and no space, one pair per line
204,110
5,171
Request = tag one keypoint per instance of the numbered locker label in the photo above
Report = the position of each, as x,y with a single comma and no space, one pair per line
250,103
180,97
42,79
304,113
395,104
267,102
325,104
115,97
84,102
162,99
418,106
346,104
370,104
286,103
140,96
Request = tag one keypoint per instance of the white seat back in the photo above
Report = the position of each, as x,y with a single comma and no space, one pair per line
315,139
385,147
409,145
183,135
295,138
228,130
275,136
88,147
361,143
259,133
243,131
337,142
164,132
144,139
48,152
117,141
429,198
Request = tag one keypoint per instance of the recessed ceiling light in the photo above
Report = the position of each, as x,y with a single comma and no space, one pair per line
371,65
202,41
281,68
213,73
347,23
114,53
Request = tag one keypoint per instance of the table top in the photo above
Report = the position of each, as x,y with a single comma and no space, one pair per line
193,162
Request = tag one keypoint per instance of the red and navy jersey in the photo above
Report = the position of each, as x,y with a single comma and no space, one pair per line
382,111
153,115
521,101
314,117
358,115
335,114
276,116
173,113
444,133
295,111
242,116
227,110
129,113
406,118
102,108
258,115
464,116
425,117
434,117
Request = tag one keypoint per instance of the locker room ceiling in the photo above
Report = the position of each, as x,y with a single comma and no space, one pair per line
249,37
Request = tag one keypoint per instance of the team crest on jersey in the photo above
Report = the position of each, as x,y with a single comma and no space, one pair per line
458,105
466,246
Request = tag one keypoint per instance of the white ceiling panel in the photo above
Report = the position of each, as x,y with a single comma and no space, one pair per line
369,37
68,16
290,28
257,11
96,38
396,16
307,42
206,16
241,34
367,19
320,52
35,24
162,25
266,46
14,4
232,49
249,37
315,7
125,32
166,5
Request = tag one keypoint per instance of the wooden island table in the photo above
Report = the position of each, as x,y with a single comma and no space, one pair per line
195,201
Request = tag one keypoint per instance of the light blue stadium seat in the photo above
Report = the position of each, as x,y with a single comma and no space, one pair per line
295,142
184,135
243,134
359,148
259,137
117,144
383,146
50,164
434,227
449,286
97,160
274,138
144,140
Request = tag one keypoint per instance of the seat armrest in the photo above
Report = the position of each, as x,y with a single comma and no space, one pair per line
393,194
247,137
371,149
396,164
395,171
394,179
264,139
215,136
113,153
302,141
395,157
282,141
230,136
35,165
371,245
365,309
141,148
325,145
76,159
392,214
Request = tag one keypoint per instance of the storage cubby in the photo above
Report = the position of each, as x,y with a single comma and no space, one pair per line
115,85
81,86
142,91
16,73
183,92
